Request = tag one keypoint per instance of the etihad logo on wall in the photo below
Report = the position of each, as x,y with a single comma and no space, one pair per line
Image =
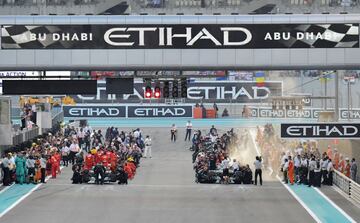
94,111
159,111
221,92
229,92
322,130
119,36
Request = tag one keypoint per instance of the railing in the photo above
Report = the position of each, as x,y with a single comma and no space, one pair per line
18,138
30,134
347,185
59,117
25,135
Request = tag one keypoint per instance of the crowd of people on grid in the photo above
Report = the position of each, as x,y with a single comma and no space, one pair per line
212,162
301,162
47,153
117,152
40,159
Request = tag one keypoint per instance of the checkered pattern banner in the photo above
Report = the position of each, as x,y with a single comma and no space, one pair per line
191,36
19,37
335,36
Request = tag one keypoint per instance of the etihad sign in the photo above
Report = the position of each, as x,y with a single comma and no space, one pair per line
122,111
240,92
322,130
119,36
91,111
184,111
223,92
160,112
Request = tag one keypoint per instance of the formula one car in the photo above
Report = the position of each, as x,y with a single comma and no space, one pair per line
89,176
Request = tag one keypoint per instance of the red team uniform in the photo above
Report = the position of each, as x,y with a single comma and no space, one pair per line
89,161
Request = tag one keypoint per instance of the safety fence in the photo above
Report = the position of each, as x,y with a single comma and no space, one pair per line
347,185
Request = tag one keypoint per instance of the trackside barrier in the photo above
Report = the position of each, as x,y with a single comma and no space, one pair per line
347,185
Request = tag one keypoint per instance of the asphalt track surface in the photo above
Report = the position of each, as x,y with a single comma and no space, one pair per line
163,191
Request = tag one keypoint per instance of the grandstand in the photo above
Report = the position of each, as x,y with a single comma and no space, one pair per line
244,6
81,7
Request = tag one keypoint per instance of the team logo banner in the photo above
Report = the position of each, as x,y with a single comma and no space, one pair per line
320,130
160,111
218,91
199,36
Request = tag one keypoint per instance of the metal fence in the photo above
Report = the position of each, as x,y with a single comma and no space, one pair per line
347,185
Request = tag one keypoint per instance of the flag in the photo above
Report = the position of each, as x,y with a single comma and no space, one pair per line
260,78
327,75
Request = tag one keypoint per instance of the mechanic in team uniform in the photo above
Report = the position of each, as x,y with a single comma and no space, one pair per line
54,167
113,160
89,161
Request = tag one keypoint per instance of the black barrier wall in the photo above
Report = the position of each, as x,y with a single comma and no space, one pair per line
184,36
180,42
186,111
